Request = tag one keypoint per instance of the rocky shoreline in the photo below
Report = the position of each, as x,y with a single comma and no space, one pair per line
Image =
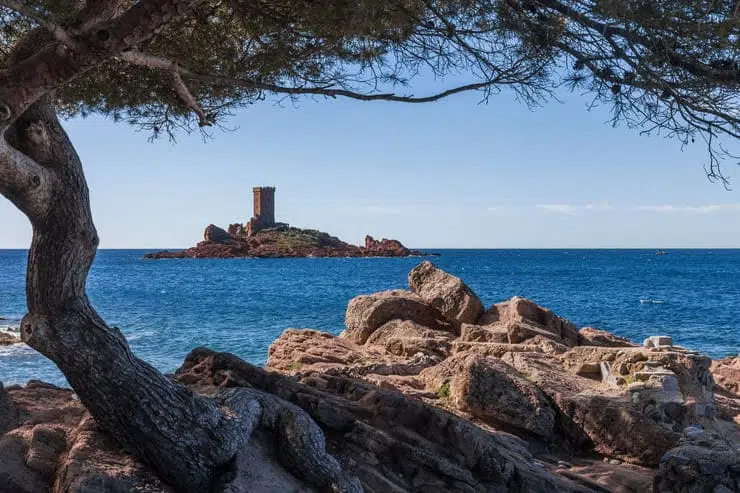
283,241
427,390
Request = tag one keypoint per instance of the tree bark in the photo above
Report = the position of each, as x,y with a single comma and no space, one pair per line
185,437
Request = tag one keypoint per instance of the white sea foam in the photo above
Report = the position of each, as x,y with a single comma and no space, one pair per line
651,302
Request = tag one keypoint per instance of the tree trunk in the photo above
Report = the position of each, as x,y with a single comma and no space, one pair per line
185,437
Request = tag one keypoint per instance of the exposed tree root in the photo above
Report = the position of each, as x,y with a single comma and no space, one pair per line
301,445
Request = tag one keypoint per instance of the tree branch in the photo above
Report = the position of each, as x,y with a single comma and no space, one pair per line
58,31
155,62
189,100
694,67
52,66
97,11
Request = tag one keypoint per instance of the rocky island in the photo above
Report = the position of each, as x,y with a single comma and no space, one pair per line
263,237
425,390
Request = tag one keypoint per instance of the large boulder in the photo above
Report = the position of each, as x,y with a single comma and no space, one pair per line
407,338
366,313
490,390
217,235
523,319
452,297
703,462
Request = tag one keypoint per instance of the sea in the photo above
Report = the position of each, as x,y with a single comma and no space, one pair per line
165,308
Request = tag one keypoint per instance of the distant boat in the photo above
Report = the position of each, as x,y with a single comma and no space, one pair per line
661,252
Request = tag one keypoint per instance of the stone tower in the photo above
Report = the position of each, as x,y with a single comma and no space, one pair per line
264,206
264,210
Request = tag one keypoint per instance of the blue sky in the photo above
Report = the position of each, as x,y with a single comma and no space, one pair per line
448,174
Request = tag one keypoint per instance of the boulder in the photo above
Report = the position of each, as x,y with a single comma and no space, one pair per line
589,336
407,338
524,319
445,292
217,235
366,313
702,462
492,391
6,338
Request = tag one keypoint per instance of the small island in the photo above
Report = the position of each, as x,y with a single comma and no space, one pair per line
265,238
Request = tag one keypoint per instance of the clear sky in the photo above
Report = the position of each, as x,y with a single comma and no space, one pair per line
448,174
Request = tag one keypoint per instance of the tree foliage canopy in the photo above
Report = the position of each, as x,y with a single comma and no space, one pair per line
668,66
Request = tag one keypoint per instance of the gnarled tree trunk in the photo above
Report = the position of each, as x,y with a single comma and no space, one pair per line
184,436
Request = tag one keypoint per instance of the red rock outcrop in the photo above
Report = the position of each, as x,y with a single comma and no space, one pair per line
281,241
520,368
379,440
386,246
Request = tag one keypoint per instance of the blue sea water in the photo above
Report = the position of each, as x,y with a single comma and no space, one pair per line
167,307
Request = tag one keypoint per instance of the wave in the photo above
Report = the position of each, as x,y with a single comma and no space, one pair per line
651,302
